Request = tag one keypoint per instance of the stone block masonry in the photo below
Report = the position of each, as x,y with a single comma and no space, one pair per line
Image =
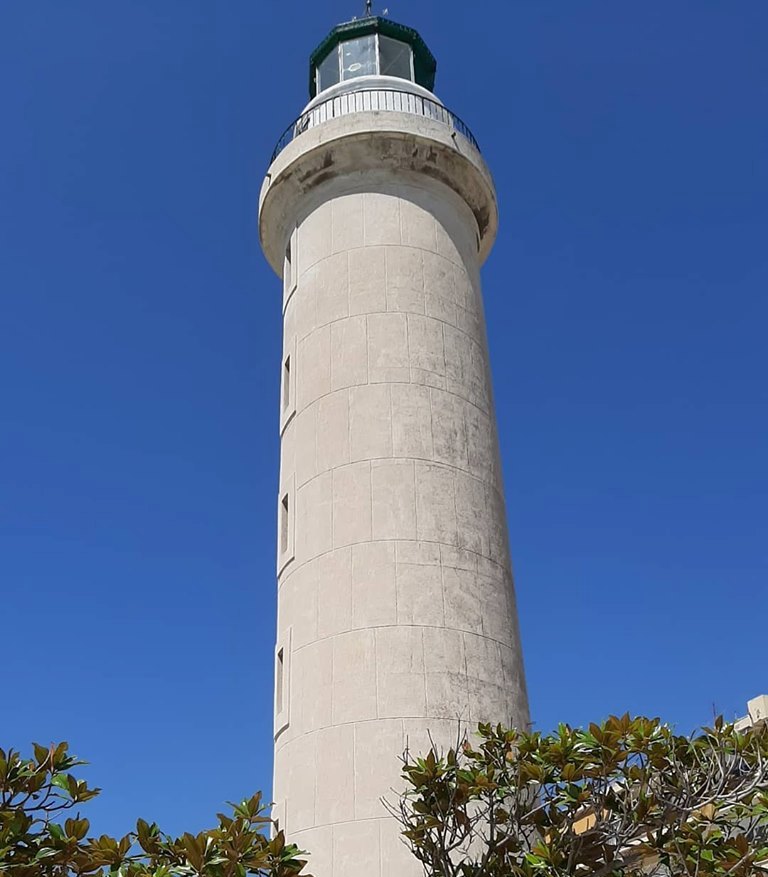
396,608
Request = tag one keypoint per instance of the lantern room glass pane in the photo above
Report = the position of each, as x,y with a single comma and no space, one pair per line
328,71
358,57
395,58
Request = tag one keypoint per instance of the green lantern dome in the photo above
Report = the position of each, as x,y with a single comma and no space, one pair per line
371,46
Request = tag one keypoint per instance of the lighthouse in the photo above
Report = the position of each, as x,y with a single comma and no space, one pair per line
396,611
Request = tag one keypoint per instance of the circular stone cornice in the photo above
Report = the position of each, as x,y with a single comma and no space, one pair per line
364,148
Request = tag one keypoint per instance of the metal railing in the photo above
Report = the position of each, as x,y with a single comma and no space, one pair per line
372,100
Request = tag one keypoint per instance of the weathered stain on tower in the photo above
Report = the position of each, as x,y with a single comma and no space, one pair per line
396,609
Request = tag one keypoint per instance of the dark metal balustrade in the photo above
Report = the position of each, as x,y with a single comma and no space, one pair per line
372,100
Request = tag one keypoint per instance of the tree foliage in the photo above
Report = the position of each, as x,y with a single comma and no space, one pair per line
37,793
625,798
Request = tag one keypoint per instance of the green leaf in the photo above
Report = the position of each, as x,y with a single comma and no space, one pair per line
56,831
45,853
61,781
41,752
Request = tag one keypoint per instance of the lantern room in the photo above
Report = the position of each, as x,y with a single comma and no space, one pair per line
371,46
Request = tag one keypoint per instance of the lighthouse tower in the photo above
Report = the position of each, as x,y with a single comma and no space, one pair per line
396,610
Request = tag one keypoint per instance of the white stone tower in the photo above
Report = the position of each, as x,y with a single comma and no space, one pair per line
396,611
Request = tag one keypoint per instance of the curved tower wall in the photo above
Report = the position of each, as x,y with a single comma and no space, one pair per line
396,612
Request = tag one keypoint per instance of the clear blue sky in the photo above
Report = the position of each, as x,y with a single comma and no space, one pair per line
139,358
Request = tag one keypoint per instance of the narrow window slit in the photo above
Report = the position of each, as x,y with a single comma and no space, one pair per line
284,524
279,682
286,383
